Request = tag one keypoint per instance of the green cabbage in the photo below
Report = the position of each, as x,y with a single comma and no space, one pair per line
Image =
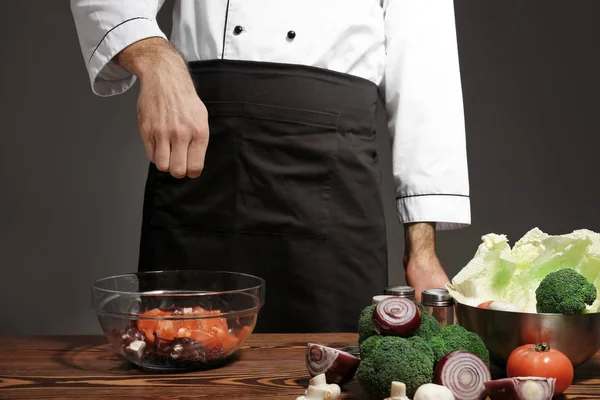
501,273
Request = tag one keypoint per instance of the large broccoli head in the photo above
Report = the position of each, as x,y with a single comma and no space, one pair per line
455,338
389,359
428,328
565,291
369,345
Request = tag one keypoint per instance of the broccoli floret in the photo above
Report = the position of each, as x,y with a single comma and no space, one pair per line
455,338
565,291
392,358
365,324
429,327
368,345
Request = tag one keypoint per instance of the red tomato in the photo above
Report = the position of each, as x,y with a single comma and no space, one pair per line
228,342
149,335
543,361
150,324
485,304
208,324
209,341
167,330
244,333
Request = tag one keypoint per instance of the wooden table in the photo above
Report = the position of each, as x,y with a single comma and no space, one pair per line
268,367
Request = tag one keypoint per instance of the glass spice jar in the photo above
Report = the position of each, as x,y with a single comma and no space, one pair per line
395,291
439,304
400,291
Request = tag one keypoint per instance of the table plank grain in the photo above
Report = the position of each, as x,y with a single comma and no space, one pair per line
269,366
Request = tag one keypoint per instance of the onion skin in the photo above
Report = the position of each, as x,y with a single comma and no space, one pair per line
396,316
445,370
543,361
338,366
521,388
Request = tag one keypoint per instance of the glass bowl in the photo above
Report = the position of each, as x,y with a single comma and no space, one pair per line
178,320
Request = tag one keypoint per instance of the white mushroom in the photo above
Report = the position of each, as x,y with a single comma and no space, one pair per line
318,389
398,392
431,391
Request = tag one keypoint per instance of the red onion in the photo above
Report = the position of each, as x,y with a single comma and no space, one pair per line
464,374
521,388
338,366
396,316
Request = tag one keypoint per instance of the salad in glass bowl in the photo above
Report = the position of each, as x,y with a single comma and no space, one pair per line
178,320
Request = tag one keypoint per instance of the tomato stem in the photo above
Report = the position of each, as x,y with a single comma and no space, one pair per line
542,347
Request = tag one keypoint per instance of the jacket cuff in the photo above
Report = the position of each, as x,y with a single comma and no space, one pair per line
106,77
447,211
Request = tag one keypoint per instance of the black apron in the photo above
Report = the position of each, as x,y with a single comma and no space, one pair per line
290,192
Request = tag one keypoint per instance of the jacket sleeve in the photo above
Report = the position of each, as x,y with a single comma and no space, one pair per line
424,103
104,28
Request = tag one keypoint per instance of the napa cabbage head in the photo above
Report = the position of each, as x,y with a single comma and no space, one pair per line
528,248
500,273
488,274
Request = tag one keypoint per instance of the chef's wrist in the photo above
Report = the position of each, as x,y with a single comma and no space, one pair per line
150,57
419,240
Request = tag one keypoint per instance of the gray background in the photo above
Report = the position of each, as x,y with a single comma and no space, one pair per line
72,165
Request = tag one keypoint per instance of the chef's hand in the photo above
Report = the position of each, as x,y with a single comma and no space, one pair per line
421,264
173,120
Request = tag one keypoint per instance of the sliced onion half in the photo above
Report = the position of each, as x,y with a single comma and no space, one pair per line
521,388
396,316
338,366
464,374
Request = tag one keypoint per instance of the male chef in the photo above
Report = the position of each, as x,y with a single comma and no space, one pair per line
259,121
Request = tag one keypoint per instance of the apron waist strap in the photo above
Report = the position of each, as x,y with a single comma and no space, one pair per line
323,94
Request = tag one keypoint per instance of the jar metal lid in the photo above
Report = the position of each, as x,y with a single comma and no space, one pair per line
379,299
401,291
436,297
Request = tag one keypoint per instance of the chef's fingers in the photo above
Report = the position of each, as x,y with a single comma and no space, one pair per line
149,145
148,139
196,154
180,140
162,150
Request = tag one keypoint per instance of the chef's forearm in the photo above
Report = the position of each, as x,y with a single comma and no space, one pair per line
419,239
150,56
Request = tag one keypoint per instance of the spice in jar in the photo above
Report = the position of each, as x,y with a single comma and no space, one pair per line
439,304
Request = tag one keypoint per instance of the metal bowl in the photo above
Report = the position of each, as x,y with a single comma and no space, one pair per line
577,336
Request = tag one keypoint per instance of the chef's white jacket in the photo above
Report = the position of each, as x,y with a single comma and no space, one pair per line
407,47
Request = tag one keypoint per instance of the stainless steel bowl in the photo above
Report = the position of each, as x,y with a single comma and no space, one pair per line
577,336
